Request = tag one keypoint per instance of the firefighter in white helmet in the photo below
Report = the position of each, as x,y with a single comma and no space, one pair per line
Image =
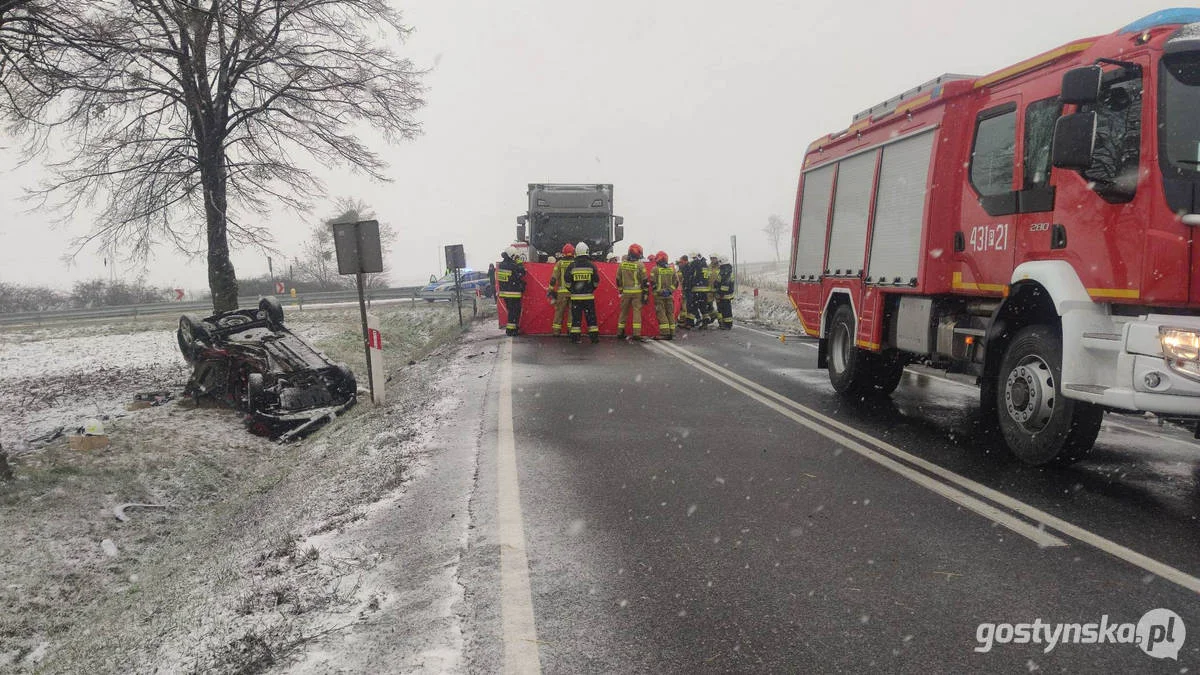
510,280
583,278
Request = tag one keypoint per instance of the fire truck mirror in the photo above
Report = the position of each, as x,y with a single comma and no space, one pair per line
1081,85
521,220
521,231
618,233
1074,141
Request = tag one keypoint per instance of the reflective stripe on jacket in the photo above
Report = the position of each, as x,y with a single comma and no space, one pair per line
510,278
584,279
665,279
631,277
558,281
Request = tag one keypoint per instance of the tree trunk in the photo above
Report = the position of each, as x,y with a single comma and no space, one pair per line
222,281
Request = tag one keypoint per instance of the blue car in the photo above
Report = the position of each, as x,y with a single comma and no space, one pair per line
443,289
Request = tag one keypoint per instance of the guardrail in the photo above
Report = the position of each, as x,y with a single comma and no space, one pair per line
203,307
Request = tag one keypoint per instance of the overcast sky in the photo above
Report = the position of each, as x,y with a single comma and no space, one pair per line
698,112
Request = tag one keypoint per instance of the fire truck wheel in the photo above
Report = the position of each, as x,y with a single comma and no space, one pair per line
853,371
1039,424
888,370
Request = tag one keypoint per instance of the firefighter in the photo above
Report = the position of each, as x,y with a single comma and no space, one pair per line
584,278
664,280
724,291
701,290
510,275
633,286
683,269
711,273
559,292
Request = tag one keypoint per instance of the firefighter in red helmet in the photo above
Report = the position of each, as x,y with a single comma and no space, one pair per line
633,286
559,292
664,280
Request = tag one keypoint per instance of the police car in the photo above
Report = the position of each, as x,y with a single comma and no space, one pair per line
443,289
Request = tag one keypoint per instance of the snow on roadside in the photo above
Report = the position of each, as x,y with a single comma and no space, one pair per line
54,378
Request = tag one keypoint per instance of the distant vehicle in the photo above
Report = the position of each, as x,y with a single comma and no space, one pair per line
249,361
1030,229
568,213
443,289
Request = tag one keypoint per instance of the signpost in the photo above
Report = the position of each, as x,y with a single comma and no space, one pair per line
279,288
359,252
456,259
375,358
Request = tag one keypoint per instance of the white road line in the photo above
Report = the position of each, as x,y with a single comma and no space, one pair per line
1114,549
1038,536
516,597
807,341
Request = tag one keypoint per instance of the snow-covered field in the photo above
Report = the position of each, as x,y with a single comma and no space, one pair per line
230,573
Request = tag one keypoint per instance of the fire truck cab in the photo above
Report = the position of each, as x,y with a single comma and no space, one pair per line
1033,229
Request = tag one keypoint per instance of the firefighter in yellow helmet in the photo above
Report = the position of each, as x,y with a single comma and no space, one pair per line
663,281
633,286
559,292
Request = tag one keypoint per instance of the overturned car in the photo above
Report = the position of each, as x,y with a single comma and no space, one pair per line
250,361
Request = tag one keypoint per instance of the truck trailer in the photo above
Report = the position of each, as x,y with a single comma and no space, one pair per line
1032,230
568,213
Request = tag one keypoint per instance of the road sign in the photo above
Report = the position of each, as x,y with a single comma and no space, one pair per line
358,247
455,257
178,294
280,289
359,252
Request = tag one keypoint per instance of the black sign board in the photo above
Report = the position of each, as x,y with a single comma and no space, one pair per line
456,258
358,247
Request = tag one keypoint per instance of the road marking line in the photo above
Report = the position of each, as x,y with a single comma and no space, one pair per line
1144,432
516,595
1039,536
807,342
1114,549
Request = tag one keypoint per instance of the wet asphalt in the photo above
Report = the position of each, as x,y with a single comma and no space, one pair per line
675,524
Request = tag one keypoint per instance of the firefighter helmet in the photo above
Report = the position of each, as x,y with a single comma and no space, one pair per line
511,251
581,248
661,256
635,251
568,249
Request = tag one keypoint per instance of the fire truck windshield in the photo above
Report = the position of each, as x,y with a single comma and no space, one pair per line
1180,123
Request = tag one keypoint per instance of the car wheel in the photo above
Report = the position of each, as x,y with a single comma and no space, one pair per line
192,336
1039,424
255,385
274,311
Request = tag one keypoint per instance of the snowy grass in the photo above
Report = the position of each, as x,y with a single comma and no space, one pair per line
217,581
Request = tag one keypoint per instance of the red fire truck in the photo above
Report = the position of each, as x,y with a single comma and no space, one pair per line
1033,229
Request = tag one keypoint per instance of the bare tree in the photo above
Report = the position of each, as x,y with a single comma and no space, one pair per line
775,229
175,109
